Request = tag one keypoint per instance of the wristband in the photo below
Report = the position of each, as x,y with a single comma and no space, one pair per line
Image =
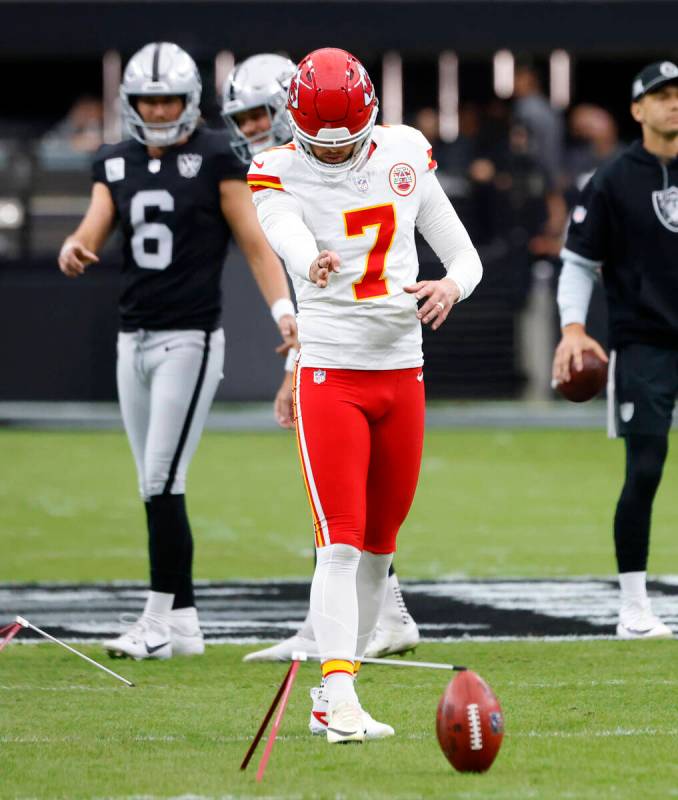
281,308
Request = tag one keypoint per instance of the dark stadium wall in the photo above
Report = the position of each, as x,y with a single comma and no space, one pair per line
467,26
58,335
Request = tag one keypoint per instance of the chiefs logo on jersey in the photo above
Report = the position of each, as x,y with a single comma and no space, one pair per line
402,179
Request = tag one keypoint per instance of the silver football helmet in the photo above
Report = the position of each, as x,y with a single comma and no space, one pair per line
161,68
261,80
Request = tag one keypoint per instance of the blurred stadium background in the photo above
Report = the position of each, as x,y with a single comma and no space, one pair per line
521,98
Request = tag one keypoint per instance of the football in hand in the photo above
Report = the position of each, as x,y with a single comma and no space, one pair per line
470,723
586,383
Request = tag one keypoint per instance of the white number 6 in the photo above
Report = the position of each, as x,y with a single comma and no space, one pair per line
149,231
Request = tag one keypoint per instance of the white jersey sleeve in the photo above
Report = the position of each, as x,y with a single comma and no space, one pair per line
281,215
439,224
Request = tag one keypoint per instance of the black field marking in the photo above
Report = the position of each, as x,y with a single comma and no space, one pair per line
251,611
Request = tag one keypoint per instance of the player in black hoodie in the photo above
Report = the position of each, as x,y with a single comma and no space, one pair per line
626,227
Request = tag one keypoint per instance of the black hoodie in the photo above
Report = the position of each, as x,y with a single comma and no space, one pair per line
627,222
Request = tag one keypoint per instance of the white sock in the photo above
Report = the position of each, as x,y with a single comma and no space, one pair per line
158,607
334,612
633,587
340,688
306,630
394,611
372,583
334,601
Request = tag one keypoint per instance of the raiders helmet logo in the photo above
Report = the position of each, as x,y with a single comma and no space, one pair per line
189,164
665,205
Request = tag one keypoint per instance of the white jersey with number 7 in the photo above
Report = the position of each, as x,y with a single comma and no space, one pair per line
363,319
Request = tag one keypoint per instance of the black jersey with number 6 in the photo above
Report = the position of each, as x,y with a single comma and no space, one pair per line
175,235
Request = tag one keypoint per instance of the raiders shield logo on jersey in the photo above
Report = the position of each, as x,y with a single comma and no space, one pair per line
189,164
666,207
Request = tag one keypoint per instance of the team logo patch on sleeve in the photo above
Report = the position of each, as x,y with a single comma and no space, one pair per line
189,164
402,179
665,205
115,169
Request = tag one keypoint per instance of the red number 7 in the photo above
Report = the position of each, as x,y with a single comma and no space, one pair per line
373,282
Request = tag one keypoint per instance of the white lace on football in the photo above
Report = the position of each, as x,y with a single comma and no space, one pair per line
475,728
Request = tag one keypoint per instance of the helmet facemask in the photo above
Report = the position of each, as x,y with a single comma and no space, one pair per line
158,134
335,137
245,147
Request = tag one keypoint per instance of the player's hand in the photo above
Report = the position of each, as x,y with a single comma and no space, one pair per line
74,257
569,352
326,262
441,296
287,326
283,403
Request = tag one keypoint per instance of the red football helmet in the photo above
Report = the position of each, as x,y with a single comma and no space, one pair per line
331,103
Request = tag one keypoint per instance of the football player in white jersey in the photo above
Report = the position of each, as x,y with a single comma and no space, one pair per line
178,193
254,100
340,205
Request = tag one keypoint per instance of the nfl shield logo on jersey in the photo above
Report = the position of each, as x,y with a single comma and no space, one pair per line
361,183
319,376
402,179
189,164
666,207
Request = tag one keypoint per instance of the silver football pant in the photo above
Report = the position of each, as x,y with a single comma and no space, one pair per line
166,384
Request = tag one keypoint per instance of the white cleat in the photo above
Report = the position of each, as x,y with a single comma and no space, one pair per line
185,633
318,723
145,639
636,621
393,638
345,724
283,650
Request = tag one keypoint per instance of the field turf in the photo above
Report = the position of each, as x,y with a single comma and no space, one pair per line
489,504
585,719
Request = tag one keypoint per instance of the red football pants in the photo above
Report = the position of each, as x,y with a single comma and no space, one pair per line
360,436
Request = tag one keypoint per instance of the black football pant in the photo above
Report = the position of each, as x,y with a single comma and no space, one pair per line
645,457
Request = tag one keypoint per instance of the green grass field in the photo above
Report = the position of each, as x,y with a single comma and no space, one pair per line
594,719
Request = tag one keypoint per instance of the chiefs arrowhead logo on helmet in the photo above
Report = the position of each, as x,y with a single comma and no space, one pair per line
293,96
368,88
